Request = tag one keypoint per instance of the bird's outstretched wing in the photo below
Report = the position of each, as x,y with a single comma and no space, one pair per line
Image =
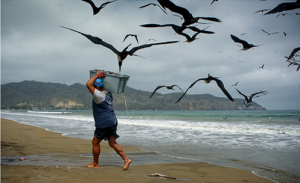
189,88
149,45
238,40
150,25
193,28
265,31
187,36
168,87
262,10
294,63
213,2
163,3
177,86
293,52
174,8
246,98
194,36
106,3
153,5
246,104
253,94
159,25
187,16
235,84
96,40
221,85
158,87
269,33
210,19
176,28
132,35
95,9
282,7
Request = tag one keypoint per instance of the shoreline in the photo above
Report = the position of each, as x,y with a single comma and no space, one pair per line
18,140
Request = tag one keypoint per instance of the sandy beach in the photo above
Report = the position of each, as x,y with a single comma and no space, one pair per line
38,146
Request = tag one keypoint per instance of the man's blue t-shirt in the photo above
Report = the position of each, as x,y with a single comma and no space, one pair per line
103,111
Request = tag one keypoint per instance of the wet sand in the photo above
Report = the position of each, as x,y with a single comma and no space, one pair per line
51,157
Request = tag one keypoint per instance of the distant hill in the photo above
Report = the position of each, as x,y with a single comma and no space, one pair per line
39,95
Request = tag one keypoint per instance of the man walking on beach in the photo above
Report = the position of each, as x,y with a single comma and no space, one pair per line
105,120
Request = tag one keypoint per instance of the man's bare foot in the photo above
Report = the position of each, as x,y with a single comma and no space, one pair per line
126,164
92,165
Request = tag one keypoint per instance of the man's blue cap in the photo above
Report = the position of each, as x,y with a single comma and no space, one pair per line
98,82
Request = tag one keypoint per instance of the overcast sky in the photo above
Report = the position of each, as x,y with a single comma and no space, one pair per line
35,47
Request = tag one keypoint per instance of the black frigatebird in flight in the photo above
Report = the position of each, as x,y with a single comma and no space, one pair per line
284,7
262,10
133,36
235,84
268,32
245,44
168,87
294,63
121,55
190,39
208,80
187,16
293,52
248,100
177,28
153,5
96,10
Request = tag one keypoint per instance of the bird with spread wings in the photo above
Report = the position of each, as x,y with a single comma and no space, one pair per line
168,87
284,7
96,9
208,80
123,54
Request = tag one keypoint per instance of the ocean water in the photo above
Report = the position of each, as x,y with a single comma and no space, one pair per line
265,142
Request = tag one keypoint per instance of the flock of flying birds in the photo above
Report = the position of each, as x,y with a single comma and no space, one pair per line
189,19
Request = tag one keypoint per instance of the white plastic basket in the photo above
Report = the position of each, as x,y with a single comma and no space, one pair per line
113,82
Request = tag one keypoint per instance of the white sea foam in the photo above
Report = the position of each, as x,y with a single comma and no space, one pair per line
228,127
52,115
50,112
167,131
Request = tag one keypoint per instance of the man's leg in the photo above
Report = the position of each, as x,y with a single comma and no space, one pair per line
113,143
96,152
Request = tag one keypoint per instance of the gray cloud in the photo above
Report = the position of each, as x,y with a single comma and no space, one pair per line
35,47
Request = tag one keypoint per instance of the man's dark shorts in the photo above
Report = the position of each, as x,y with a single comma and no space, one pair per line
106,133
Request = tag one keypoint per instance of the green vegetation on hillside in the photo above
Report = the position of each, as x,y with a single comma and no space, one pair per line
53,96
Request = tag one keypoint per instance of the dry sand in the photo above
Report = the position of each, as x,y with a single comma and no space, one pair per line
18,140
